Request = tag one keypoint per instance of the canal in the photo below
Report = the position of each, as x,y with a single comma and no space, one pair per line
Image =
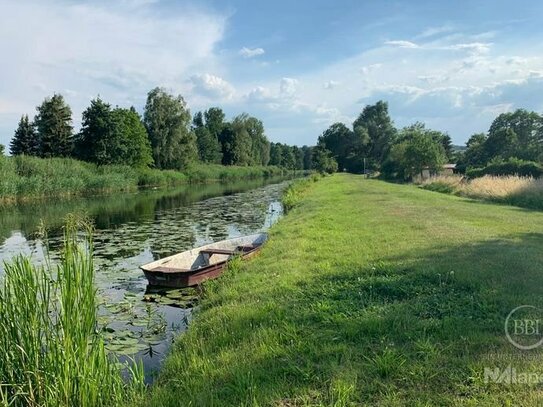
134,229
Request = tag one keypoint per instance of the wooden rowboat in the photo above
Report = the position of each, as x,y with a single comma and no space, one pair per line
194,266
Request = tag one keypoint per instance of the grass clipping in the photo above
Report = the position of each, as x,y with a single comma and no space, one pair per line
52,351
513,190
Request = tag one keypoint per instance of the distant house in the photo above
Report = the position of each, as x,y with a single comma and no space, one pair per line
447,169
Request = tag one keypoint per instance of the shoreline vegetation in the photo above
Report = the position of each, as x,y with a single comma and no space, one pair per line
118,149
26,178
53,351
525,192
342,308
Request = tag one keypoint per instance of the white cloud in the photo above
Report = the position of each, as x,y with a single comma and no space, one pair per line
370,68
212,86
474,48
402,44
119,51
251,52
330,84
288,86
261,94
434,31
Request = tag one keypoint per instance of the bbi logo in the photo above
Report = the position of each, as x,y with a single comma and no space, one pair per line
523,327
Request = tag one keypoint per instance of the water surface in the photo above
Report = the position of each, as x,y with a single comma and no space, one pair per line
134,229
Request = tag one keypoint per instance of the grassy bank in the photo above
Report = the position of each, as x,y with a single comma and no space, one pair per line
526,192
30,177
368,293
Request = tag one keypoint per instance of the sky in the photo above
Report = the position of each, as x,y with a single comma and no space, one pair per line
298,66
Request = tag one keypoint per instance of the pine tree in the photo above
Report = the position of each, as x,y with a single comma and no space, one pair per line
54,127
25,139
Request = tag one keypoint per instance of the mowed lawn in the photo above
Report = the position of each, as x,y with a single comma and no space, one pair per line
368,293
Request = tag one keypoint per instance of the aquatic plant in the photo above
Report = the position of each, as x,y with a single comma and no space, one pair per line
53,352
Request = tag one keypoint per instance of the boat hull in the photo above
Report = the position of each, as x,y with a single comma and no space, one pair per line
164,277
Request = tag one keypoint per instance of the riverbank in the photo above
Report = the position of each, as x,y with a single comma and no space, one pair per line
30,178
367,293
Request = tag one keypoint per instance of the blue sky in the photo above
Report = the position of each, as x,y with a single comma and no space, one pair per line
297,65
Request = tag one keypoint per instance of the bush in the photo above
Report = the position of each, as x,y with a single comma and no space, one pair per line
513,166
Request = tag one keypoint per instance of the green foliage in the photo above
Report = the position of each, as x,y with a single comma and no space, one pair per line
527,129
415,149
323,161
307,157
207,135
377,132
25,177
214,119
2,149
210,172
52,351
512,166
517,134
346,146
244,142
167,121
113,136
53,124
134,148
25,139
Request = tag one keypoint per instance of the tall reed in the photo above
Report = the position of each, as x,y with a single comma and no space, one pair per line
51,349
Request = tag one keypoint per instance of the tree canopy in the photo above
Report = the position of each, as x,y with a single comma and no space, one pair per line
516,135
53,124
113,136
167,120
376,131
25,139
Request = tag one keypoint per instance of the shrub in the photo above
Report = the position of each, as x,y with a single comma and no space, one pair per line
512,166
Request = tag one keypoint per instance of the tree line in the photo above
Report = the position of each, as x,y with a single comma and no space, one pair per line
513,144
373,143
165,137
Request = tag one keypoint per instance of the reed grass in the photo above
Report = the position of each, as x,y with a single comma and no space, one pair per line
52,351
28,178
525,192
216,172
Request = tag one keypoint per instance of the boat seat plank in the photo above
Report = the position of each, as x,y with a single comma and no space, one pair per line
218,251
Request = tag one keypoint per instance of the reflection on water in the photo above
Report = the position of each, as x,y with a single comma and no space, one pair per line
134,229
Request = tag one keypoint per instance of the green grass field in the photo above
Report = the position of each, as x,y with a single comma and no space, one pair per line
367,293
